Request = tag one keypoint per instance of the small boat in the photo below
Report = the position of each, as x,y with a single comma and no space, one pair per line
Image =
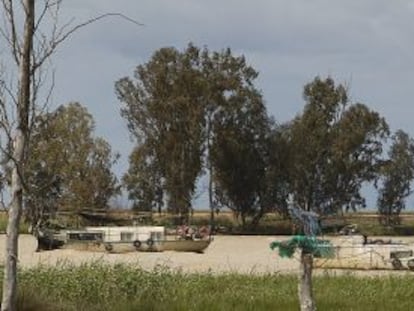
121,239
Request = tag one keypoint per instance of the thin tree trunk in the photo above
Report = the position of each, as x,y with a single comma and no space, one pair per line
15,207
9,299
305,282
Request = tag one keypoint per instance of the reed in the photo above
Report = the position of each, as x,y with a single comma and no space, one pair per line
99,286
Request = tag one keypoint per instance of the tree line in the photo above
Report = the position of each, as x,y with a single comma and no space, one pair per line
196,113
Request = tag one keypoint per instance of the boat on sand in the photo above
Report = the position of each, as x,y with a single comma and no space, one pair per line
121,239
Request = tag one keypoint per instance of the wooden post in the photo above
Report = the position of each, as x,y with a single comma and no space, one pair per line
305,282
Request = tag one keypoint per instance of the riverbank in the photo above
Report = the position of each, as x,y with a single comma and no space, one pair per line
226,254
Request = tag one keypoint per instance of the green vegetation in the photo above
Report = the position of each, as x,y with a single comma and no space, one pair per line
99,286
218,125
163,107
72,171
335,146
216,122
396,179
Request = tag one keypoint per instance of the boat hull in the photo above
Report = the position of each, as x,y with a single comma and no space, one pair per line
197,246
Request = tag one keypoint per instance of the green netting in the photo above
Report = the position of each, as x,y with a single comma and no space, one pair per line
317,247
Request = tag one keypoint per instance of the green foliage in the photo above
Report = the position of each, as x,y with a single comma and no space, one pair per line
276,188
193,111
104,287
68,168
335,147
397,175
164,111
239,144
143,181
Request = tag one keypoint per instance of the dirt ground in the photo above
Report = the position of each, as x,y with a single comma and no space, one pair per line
226,254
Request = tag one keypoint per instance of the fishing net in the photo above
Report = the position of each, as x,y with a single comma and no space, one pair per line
312,245
307,220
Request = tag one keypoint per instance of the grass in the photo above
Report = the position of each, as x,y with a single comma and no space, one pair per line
99,286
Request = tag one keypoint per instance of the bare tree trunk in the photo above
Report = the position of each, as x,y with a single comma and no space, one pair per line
9,299
15,208
305,282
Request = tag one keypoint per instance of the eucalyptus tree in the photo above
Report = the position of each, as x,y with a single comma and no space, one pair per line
69,169
336,147
396,177
164,109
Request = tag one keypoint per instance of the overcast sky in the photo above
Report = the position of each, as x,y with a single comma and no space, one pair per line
366,44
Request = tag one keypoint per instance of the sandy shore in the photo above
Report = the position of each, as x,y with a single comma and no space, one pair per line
239,254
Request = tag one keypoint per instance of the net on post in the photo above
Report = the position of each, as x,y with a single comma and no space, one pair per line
309,223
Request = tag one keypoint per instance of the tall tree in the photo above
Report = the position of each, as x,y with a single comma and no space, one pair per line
74,166
336,147
164,111
396,177
22,53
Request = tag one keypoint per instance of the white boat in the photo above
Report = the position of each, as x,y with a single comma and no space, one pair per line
122,239
359,252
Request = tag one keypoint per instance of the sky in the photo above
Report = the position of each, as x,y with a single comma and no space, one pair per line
368,45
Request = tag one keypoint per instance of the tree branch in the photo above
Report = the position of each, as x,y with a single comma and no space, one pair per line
61,36
12,39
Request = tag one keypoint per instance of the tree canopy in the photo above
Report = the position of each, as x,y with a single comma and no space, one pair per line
193,111
336,147
163,108
68,169
197,111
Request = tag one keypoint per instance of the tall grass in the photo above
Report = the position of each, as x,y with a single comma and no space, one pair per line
103,287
